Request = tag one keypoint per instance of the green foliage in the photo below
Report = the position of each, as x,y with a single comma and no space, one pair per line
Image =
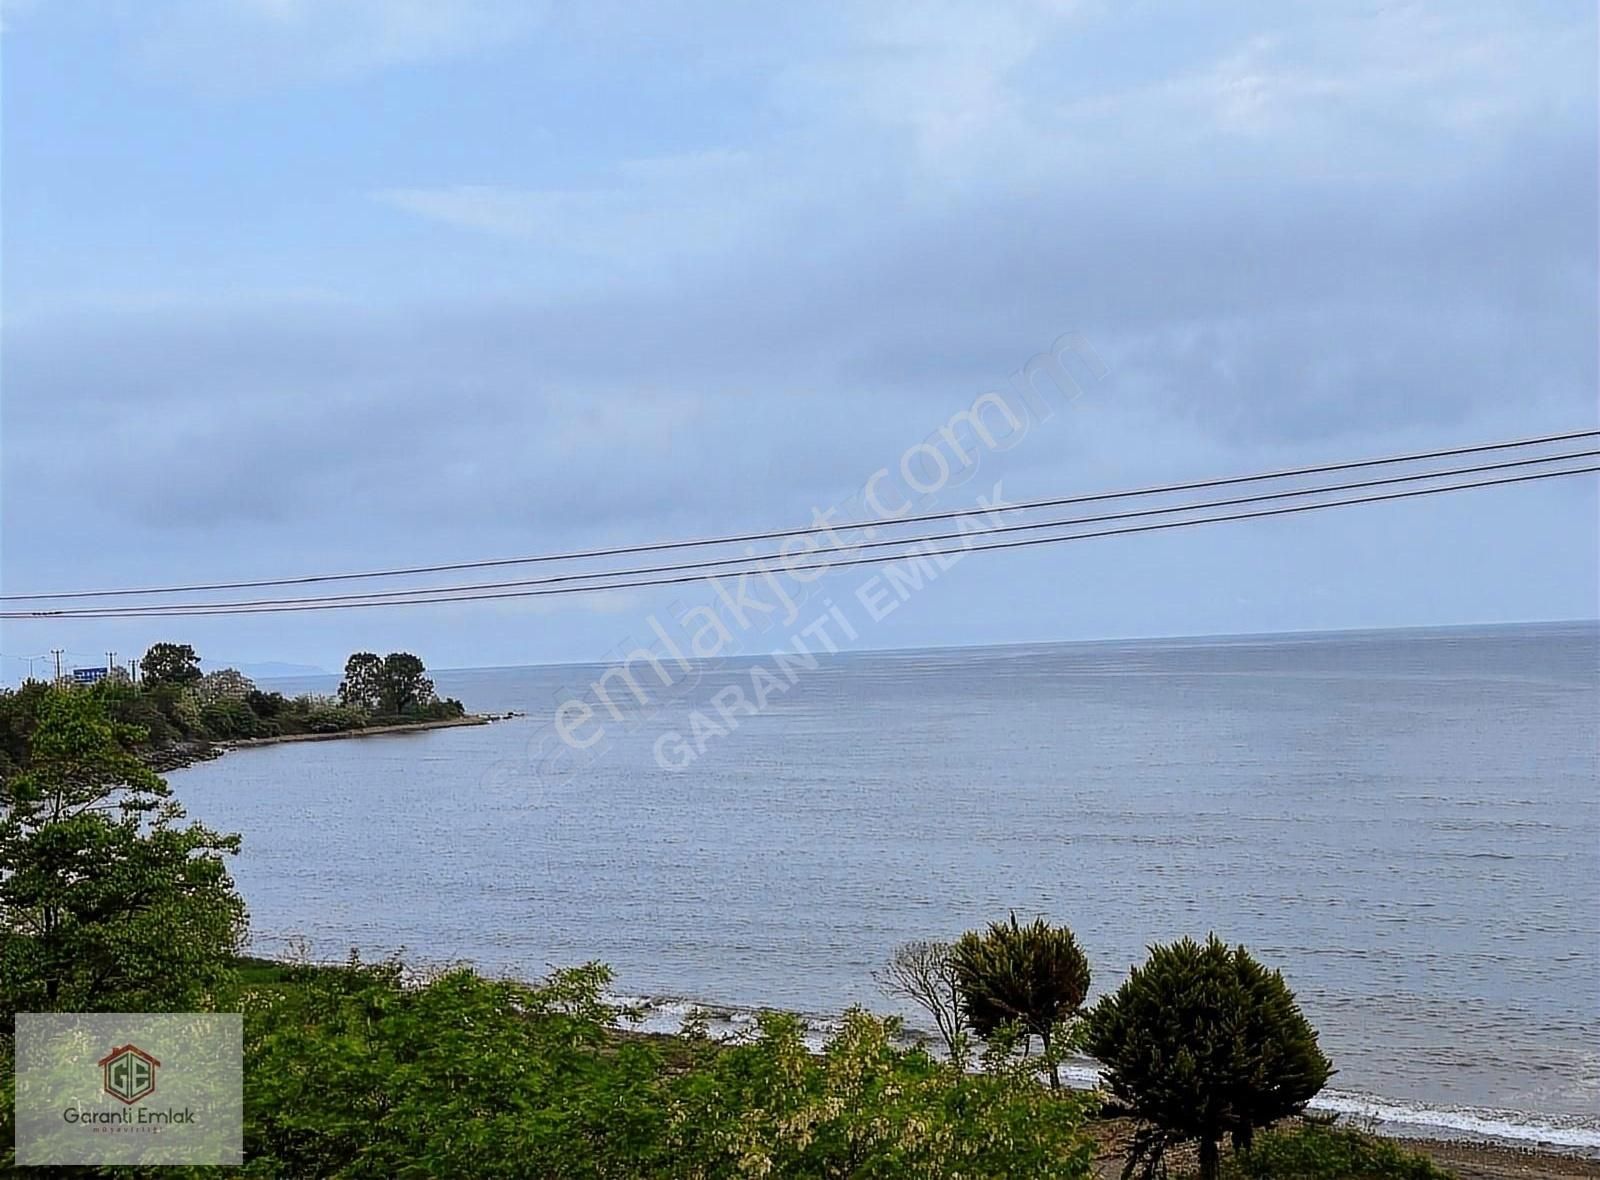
1203,1041
405,683
329,719
170,663
351,1074
128,705
395,686
229,718
19,712
1031,979
171,705
107,903
361,687
265,705
865,1108
1311,1152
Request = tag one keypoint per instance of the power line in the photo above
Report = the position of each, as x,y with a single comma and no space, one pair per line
775,534
726,564
200,609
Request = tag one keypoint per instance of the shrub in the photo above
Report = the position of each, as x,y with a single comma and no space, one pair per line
332,719
1312,1152
265,705
228,718
351,1073
129,706
1204,1041
1030,978
223,684
865,1108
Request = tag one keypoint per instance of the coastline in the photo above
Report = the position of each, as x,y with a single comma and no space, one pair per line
180,754
1470,1154
1495,1139
370,731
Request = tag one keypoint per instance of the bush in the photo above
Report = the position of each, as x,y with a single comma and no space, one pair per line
265,705
1030,978
1204,1041
1312,1152
227,718
127,705
351,1073
332,719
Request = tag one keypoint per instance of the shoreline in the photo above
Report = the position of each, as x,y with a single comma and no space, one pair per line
181,754
369,731
1470,1154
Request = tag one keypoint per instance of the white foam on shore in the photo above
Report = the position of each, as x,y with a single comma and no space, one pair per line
1574,1134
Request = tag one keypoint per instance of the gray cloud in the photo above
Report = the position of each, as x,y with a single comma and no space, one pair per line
1341,234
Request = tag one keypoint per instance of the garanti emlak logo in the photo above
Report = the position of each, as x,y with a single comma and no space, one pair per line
129,1074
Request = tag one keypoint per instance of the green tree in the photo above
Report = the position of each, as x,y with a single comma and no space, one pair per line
404,684
362,686
19,713
170,663
1029,978
395,684
1203,1041
107,902
350,1074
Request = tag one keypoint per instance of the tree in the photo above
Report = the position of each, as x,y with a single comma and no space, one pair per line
1204,1041
361,686
106,902
397,683
403,684
170,663
1032,978
352,1072
924,972
223,684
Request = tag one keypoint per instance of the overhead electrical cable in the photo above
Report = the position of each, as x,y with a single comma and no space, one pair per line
776,534
176,610
728,564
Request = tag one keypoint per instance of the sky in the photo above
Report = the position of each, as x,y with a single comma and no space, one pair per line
294,286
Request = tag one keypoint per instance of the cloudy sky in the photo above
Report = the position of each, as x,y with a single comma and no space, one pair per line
306,285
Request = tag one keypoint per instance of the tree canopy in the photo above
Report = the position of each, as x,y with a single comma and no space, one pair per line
170,663
1033,978
1203,1041
394,684
107,901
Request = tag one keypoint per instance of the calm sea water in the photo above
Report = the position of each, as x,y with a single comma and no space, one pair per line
1406,822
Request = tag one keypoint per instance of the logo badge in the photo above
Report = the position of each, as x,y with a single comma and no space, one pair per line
129,1073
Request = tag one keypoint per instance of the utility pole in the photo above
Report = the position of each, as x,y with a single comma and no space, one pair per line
56,651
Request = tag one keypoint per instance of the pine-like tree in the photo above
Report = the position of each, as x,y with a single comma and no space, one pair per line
1033,978
1201,1042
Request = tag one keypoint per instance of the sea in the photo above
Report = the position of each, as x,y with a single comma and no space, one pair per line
1405,822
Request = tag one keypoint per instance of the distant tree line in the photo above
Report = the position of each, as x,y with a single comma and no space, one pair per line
175,701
